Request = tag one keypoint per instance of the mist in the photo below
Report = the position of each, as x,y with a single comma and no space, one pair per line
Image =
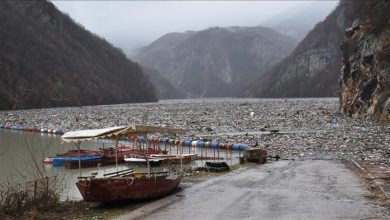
133,24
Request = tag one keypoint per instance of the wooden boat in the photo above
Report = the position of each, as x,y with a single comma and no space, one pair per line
172,159
193,156
109,158
127,185
75,153
103,161
59,161
124,185
141,160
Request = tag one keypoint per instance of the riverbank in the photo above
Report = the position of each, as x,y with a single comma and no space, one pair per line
53,208
304,129
308,128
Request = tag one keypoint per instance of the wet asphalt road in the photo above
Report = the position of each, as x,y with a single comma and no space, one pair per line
311,189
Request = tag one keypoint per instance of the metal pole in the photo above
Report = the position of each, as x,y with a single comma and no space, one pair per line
78,154
147,155
181,159
116,152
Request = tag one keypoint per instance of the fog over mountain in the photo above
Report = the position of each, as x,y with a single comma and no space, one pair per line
218,61
312,69
299,19
134,24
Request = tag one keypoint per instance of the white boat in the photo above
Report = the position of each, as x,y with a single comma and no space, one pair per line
141,160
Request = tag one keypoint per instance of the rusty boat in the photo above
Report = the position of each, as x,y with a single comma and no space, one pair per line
128,185
125,184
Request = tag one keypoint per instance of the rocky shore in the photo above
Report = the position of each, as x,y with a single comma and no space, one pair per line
302,128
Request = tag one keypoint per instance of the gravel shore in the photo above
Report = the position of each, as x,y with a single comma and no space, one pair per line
307,128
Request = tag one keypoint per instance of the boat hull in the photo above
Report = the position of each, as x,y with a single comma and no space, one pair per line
154,162
59,161
173,159
92,163
108,158
126,188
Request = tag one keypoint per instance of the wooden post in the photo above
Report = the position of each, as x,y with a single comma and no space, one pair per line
35,189
201,152
230,151
206,152
214,153
217,151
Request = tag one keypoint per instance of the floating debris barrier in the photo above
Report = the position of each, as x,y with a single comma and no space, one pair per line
209,144
34,129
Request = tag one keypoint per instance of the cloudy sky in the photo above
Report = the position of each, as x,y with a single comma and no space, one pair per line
132,24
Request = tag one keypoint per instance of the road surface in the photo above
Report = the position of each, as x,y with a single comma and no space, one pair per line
312,189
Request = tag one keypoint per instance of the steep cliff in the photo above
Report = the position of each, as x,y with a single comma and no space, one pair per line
365,80
216,62
47,60
313,68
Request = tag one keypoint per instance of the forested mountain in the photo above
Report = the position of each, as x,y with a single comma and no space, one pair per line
47,60
216,62
313,68
164,88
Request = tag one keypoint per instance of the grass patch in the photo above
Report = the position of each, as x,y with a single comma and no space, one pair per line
235,166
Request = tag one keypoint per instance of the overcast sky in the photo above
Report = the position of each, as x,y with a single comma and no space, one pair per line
132,24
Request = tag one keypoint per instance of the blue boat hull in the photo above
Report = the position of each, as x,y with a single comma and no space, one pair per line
60,161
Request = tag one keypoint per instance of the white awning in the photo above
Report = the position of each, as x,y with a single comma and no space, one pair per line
82,135
118,132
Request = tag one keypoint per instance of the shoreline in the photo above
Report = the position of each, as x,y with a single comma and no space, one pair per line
309,128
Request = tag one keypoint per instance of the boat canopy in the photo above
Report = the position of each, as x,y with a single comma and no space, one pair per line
118,132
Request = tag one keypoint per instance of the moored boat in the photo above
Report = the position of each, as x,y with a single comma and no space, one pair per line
173,159
124,185
142,160
103,161
75,153
109,156
193,156
59,161
131,186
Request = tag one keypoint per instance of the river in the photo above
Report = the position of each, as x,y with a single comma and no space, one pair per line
21,155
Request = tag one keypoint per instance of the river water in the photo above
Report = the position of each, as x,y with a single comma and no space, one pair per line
21,155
